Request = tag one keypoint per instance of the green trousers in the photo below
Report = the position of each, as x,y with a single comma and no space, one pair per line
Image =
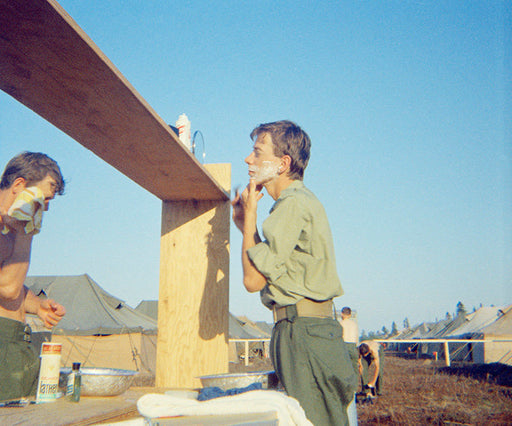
353,353
366,362
19,362
313,364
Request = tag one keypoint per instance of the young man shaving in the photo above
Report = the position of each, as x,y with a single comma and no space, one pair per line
294,270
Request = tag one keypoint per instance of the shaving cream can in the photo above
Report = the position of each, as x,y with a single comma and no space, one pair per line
48,384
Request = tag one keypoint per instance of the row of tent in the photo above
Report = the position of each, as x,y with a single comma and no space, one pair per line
101,330
239,327
490,323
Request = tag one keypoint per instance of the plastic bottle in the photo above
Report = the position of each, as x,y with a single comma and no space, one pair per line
74,383
183,125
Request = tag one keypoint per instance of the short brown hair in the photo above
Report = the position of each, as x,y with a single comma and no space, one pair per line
364,349
288,139
33,167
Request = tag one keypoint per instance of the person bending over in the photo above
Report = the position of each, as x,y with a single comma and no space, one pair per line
371,352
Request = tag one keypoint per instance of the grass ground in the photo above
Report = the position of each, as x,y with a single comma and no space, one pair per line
424,392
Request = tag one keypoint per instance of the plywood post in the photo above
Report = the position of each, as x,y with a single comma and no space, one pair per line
193,305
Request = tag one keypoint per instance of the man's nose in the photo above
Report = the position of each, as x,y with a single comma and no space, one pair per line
248,159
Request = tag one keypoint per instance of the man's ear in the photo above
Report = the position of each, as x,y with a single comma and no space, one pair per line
19,185
286,162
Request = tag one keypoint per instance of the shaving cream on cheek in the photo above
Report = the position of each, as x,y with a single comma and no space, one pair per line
268,171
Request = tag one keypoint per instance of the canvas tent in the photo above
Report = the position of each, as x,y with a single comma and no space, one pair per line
467,329
98,330
415,332
239,328
500,329
148,308
485,323
476,321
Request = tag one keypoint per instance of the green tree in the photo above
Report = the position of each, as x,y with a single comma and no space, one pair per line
461,309
406,323
394,329
448,316
363,336
384,330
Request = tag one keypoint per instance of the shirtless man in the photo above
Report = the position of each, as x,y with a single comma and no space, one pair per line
371,352
19,363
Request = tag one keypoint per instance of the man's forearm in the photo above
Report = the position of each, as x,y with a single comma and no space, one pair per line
253,279
32,302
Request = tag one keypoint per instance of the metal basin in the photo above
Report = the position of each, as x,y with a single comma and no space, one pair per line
268,380
100,381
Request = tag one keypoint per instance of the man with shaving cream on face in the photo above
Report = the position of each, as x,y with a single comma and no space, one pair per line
29,182
294,269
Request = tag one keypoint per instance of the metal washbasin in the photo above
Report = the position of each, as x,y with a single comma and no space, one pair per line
268,380
100,381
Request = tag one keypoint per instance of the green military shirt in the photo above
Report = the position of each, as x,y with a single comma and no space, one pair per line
297,254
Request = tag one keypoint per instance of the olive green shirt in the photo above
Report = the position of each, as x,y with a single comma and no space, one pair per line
297,254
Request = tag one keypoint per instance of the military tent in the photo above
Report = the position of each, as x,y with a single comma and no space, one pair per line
501,332
239,328
470,329
98,330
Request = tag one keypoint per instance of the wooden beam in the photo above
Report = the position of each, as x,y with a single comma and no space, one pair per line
193,303
50,65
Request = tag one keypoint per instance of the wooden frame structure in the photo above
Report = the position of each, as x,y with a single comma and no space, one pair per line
50,65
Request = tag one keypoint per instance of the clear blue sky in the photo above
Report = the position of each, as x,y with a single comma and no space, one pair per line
408,104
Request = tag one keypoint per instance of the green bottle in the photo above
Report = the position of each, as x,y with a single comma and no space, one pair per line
76,383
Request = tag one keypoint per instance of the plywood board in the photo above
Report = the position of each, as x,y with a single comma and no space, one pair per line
193,304
49,64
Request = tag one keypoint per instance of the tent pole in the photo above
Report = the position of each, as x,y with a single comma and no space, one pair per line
447,353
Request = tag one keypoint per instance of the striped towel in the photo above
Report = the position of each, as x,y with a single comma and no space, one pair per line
28,207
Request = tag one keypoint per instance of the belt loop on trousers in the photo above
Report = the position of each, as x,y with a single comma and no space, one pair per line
291,312
27,334
14,331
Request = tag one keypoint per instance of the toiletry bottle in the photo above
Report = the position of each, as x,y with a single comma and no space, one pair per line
74,383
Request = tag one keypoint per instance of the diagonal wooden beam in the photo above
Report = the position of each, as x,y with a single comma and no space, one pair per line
49,64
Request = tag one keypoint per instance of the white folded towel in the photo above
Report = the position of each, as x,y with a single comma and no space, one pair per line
288,410
28,207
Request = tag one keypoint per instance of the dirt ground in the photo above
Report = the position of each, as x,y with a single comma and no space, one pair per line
425,392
